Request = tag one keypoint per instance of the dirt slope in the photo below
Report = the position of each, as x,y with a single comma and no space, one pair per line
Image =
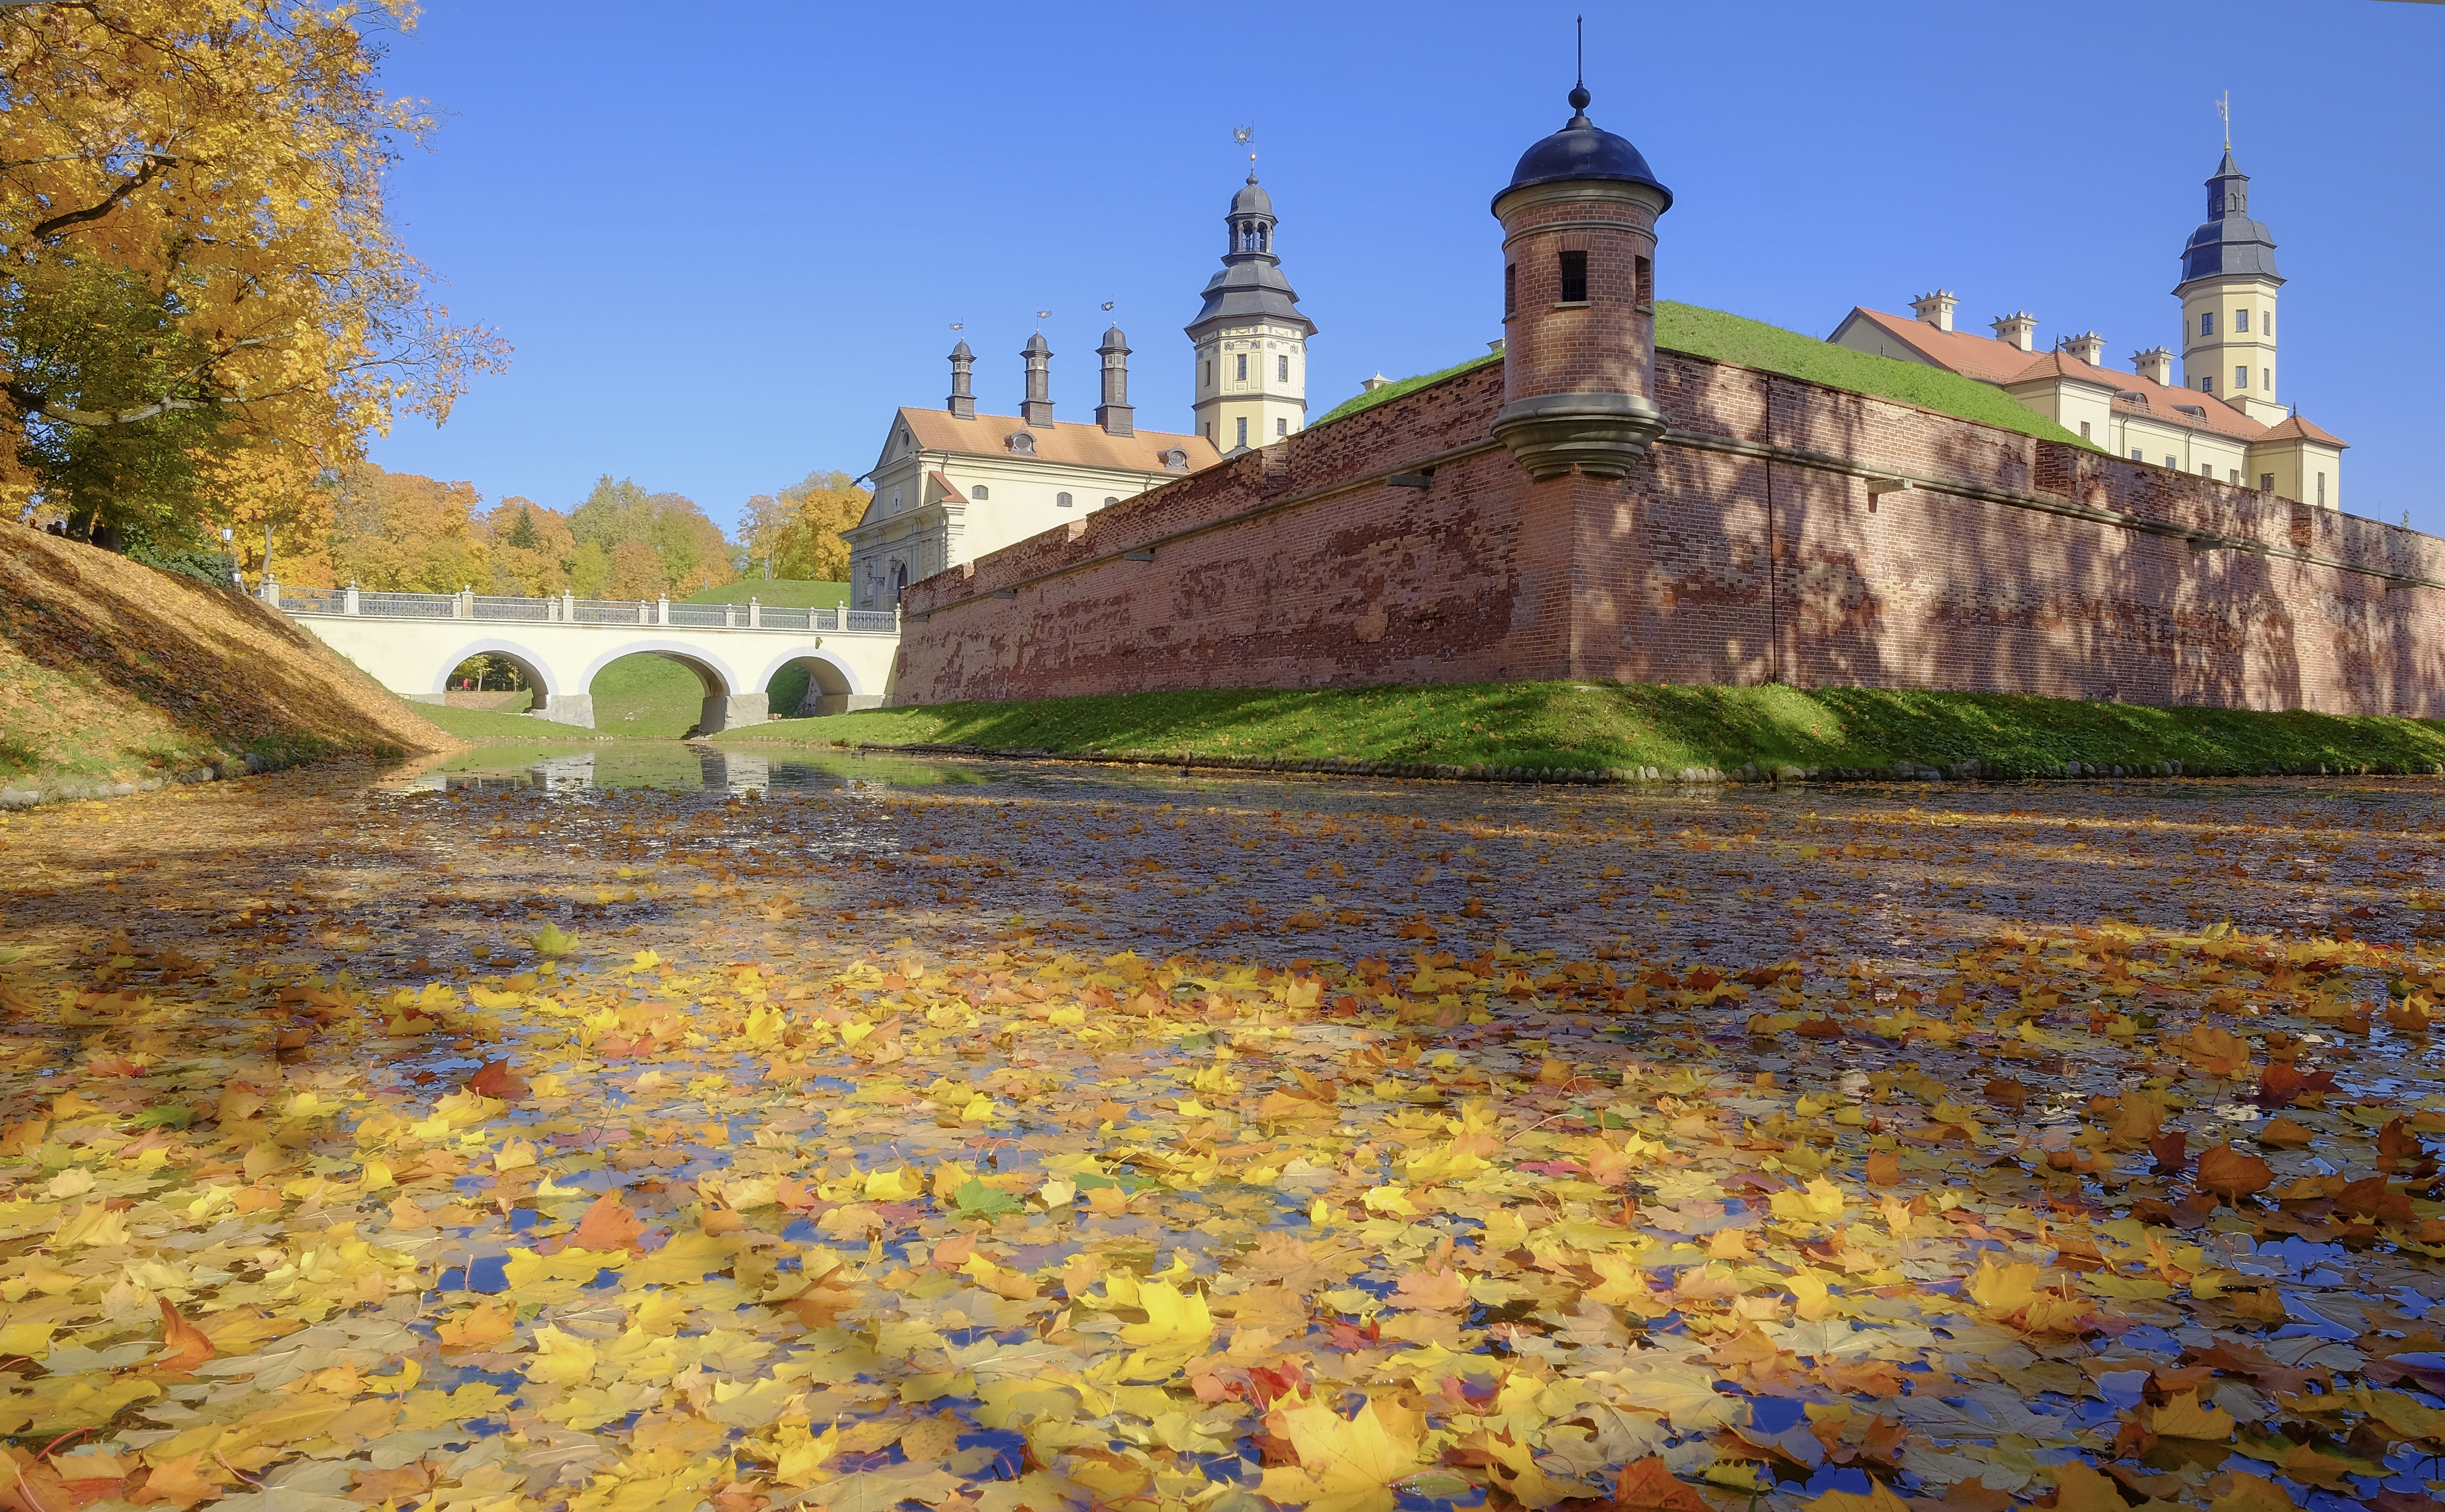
115,672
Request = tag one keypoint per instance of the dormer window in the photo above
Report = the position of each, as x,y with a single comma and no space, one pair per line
1022,443
1176,461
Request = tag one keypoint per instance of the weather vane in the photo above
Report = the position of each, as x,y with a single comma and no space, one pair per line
1243,136
2224,113
1108,304
1041,316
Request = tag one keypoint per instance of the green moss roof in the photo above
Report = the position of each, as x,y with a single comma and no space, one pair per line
1728,338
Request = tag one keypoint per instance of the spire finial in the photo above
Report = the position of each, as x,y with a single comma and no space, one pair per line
1579,96
1245,135
2224,113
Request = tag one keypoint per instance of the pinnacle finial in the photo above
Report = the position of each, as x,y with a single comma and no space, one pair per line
1581,98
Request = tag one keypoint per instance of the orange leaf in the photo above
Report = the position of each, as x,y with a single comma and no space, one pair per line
2230,1174
1649,1486
495,1078
607,1226
1884,1169
183,1345
474,1329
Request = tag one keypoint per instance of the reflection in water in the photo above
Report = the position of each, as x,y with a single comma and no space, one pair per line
671,766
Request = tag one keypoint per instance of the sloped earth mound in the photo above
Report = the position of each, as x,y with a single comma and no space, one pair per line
116,674
1067,1144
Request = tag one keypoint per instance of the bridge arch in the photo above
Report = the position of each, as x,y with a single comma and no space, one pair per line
729,698
832,683
537,667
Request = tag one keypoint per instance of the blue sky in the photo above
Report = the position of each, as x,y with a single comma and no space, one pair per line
727,242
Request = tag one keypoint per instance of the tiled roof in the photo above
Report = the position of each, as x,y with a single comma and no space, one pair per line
1980,357
2001,362
2297,429
1061,441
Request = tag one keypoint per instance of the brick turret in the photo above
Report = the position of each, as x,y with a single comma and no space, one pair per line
1578,302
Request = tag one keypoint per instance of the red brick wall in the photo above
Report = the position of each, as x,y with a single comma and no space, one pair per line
1288,568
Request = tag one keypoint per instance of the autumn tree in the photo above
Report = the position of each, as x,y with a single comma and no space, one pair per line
402,533
687,550
206,308
798,531
528,546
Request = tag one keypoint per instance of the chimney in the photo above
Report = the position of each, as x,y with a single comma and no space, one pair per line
1115,413
964,382
1036,409
2088,346
2020,329
1936,308
2155,364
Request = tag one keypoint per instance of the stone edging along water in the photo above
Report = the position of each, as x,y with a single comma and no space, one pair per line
1970,769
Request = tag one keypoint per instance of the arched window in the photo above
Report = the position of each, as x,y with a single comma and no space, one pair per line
1022,443
981,491
899,580
1110,500
1061,499
1176,461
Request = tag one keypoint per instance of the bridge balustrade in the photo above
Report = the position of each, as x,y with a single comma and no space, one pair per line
568,610
407,605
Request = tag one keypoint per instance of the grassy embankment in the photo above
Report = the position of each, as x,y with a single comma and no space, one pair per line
647,695
1583,725
112,671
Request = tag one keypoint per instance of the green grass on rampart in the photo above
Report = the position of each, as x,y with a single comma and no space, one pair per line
1736,339
1583,725
779,592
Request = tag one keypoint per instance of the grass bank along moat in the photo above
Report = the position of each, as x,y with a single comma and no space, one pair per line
1613,727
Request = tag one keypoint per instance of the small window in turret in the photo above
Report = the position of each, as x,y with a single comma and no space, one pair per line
2207,323
2241,323
1510,290
1574,278
1642,274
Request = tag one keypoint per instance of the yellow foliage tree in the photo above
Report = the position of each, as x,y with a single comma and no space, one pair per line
399,532
208,306
798,531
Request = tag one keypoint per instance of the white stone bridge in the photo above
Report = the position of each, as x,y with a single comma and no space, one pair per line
410,642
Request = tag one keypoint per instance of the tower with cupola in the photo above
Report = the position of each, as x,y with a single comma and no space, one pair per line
1250,338
2228,292
1578,302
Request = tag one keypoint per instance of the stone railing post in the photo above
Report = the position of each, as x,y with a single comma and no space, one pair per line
465,608
349,603
270,590
568,608
662,609
730,616
895,616
755,615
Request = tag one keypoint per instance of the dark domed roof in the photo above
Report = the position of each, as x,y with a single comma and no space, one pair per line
961,350
1252,200
1036,343
2229,244
1583,150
